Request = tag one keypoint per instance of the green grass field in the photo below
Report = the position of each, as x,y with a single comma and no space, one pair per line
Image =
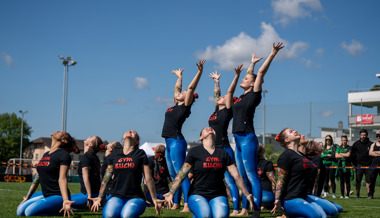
11,194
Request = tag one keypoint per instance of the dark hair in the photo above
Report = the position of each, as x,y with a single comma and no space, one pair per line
260,151
364,130
344,136
280,138
96,145
311,148
115,145
71,144
332,142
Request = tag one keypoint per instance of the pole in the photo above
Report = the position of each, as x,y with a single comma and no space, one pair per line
264,120
64,97
22,131
67,88
310,120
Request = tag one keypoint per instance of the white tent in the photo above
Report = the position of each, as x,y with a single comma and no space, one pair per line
149,147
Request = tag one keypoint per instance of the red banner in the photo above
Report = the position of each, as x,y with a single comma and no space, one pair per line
364,119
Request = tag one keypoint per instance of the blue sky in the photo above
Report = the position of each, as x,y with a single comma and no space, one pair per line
126,51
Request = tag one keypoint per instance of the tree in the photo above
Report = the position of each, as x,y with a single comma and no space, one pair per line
270,153
10,135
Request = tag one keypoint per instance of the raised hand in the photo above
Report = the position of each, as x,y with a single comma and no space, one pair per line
200,64
66,208
255,59
239,69
215,75
178,72
277,47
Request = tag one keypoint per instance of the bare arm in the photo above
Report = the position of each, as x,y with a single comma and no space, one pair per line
264,68
254,60
62,181
216,77
152,189
272,179
373,153
86,180
194,83
231,89
178,84
240,183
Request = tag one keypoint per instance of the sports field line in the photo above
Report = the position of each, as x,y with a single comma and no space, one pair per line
8,190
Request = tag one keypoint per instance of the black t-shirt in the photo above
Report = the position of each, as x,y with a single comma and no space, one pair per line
312,177
219,121
174,118
128,171
360,150
209,171
104,167
264,167
244,110
91,161
160,174
299,169
376,160
48,171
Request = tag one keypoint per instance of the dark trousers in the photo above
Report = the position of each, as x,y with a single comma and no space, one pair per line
373,174
330,176
359,177
344,178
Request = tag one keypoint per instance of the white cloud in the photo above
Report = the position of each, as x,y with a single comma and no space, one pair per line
238,49
287,10
168,101
141,83
354,49
324,113
319,51
7,59
118,101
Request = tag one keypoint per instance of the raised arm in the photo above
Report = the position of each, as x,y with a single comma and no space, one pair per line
240,183
231,89
178,84
282,174
264,68
254,60
216,77
193,85
182,174
62,181
107,177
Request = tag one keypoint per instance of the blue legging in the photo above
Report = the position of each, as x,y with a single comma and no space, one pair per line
329,208
267,199
299,207
158,196
175,157
41,206
81,200
246,161
231,182
205,207
121,207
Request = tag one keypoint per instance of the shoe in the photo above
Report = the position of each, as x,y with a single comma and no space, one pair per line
342,196
351,192
346,197
333,195
357,196
324,194
370,197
